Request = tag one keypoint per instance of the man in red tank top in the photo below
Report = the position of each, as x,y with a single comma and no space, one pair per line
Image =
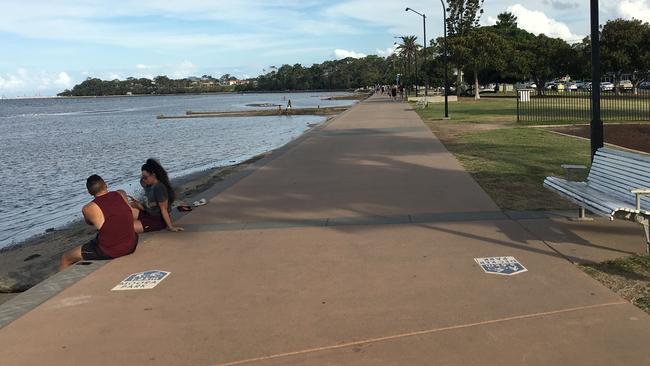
111,214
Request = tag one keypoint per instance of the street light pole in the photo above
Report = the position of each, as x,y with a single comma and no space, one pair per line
596,123
444,24
426,79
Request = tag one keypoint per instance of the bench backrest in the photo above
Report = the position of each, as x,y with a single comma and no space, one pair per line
617,172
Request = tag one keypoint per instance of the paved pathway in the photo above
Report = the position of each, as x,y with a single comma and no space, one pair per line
354,247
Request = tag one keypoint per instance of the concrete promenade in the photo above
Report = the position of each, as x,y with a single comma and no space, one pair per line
354,246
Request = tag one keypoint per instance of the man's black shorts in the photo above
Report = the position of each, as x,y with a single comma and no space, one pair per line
91,252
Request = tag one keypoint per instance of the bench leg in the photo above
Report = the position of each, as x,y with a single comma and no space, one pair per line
646,227
582,215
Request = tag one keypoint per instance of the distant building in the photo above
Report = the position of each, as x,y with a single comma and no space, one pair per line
238,82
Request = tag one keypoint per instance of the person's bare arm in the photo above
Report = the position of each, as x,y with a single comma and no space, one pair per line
163,211
93,215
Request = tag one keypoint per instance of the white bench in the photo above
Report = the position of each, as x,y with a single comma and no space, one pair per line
618,186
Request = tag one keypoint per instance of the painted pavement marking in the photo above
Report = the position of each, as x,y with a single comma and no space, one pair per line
507,266
417,333
142,280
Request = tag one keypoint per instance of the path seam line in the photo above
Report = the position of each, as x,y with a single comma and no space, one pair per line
417,333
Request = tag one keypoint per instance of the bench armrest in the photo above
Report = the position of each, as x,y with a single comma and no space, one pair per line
640,192
568,168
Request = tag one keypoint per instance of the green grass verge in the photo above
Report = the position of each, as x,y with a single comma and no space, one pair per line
629,277
482,111
511,164
545,111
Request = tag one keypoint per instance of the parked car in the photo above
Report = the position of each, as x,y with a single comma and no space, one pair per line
571,86
606,86
644,85
626,85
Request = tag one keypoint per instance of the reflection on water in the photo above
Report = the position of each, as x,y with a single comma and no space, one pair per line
50,146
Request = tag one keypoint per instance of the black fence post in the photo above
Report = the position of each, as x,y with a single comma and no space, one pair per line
517,91
597,137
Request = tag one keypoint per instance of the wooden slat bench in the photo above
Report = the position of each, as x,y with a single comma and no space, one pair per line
618,186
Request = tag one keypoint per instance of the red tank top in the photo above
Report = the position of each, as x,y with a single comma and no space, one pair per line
117,236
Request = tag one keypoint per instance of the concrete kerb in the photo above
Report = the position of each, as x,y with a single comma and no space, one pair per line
30,299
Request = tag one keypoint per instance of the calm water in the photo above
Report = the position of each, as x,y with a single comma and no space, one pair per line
50,146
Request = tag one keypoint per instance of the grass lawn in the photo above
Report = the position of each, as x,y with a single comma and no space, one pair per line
629,277
510,162
468,110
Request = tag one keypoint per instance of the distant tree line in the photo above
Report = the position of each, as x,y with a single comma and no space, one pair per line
505,53
159,85
502,53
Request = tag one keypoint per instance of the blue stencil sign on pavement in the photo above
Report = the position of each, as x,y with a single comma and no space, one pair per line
142,280
507,266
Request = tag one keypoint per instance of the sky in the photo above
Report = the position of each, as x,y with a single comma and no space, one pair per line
47,46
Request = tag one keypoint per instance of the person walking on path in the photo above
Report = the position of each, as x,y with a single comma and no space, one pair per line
153,215
111,215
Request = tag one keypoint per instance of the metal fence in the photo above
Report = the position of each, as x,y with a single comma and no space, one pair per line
575,106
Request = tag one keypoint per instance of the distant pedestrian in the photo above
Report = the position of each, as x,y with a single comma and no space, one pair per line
394,92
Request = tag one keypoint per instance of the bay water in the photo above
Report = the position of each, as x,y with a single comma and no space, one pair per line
48,147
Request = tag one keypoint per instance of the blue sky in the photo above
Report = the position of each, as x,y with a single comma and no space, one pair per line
48,46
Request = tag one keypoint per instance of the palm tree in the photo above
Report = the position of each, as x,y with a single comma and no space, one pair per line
409,49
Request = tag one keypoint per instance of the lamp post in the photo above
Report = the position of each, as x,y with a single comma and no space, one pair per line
444,24
426,83
596,133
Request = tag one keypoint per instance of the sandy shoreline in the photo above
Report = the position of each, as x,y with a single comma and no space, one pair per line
30,262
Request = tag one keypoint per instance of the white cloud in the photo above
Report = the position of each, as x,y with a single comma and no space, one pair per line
25,82
145,67
183,70
63,79
341,54
537,22
93,22
387,52
11,83
639,9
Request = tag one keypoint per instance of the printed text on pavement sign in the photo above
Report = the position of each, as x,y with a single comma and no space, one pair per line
501,265
142,280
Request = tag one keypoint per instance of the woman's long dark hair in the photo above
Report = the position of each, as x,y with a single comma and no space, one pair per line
153,167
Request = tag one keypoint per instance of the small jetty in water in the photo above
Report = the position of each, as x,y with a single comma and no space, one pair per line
260,112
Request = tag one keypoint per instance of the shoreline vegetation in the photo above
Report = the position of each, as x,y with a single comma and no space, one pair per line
29,262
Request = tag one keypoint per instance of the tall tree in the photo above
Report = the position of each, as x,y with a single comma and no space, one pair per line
409,49
625,48
552,58
485,50
506,20
462,17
